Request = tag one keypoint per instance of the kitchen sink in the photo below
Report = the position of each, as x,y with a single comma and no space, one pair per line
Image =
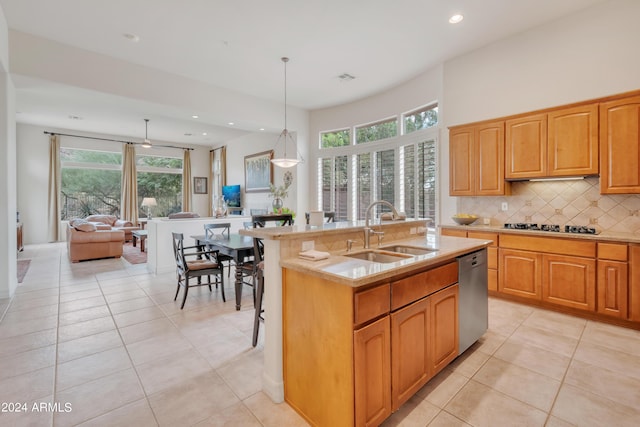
379,256
411,250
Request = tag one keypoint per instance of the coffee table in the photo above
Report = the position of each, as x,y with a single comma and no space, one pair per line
139,234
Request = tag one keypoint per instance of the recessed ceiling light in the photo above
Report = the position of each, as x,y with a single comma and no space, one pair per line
195,116
204,134
131,37
456,18
261,128
231,123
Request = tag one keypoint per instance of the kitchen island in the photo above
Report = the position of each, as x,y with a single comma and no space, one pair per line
330,323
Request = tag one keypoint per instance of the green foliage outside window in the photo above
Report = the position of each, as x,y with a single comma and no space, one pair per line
340,138
377,131
421,119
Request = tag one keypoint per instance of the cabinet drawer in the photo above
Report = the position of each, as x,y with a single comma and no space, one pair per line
484,235
549,245
371,303
413,288
453,232
492,258
612,251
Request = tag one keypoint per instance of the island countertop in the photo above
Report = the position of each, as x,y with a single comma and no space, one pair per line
355,272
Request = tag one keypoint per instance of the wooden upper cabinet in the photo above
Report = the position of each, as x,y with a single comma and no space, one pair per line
526,147
461,162
476,160
620,146
573,141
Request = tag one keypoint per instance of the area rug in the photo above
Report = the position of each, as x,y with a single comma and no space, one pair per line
133,255
23,267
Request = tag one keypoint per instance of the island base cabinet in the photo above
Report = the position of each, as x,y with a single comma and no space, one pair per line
372,357
410,349
424,341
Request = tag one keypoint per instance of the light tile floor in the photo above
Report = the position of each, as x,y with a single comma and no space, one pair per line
102,343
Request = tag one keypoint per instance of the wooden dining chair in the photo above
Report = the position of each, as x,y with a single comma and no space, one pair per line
220,229
204,264
258,255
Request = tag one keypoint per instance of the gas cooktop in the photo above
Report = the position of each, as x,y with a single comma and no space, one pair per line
579,229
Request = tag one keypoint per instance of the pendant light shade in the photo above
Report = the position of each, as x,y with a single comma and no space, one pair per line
146,143
285,135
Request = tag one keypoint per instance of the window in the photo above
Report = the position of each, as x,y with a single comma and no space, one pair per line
423,118
418,187
334,182
339,138
160,177
401,169
377,131
90,183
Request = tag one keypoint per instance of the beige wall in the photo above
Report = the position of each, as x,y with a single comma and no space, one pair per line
8,274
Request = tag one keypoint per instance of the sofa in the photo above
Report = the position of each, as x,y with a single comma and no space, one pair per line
110,222
85,241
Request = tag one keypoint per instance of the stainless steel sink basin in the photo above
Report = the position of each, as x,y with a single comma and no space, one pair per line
411,250
378,256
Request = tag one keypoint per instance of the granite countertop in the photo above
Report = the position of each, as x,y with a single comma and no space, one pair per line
306,231
604,236
355,272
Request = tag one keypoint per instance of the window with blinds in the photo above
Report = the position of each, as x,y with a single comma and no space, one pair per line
335,186
401,169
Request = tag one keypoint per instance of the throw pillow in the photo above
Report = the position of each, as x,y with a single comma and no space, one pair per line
84,226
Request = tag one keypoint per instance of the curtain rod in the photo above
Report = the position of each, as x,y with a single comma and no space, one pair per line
115,140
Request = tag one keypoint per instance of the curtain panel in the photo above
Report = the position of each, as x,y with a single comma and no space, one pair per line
129,197
55,184
186,181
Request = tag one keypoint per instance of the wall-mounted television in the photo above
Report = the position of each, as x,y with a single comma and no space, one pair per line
231,195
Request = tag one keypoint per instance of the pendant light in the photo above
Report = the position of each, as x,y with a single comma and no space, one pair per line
286,162
146,143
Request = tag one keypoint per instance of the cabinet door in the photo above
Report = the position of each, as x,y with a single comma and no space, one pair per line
409,346
612,288
519,273
489,160
372,373
620,146
443,328
569,281
573,141
634,283
526,147
461,162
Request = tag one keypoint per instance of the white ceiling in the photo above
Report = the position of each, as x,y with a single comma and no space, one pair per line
237,45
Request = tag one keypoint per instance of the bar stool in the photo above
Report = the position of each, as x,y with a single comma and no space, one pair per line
258,255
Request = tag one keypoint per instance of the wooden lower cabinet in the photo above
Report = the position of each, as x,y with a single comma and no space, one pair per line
612,288
634,283
443,328
350,359
372,372
569,281
424,339
520,273
410,349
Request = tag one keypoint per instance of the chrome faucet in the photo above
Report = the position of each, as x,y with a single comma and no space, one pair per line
368,230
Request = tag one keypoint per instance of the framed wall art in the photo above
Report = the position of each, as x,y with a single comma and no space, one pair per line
258,172
199,185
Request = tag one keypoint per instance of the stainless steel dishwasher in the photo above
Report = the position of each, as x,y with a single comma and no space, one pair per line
473,308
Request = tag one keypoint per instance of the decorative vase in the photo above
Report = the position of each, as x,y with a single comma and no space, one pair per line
277,204
220,207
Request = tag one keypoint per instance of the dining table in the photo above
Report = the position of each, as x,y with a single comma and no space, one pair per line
236,246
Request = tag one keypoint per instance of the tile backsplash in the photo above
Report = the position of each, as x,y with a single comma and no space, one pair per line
560,202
